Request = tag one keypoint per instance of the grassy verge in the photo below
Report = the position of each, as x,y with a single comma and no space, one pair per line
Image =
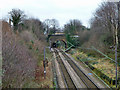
103,67
39,81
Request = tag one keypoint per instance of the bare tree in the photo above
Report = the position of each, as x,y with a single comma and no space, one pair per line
35,25
54,23
73,26
106,18
51,25
17,17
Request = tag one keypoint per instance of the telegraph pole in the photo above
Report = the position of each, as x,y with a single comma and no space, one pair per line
116,39
118,24
119,18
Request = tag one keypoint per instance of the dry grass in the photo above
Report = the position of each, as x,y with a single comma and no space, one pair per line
104,65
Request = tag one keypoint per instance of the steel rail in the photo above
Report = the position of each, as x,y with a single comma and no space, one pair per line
66,77
76,68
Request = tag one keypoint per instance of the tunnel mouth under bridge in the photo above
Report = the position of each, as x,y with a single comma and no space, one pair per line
58,43
57,40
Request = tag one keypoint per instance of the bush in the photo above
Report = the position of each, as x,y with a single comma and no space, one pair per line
107,39
18,62
102,75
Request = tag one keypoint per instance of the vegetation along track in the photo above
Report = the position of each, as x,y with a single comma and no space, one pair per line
88,82
66,77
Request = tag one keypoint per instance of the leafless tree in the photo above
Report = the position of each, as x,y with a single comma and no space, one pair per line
73,26
106,19
36,26
51,25
18,63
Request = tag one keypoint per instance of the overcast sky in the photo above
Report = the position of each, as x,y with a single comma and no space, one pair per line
62,10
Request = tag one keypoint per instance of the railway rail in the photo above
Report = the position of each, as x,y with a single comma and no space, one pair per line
69,83
86,80
66,77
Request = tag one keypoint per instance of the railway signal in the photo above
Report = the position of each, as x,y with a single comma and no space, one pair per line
44,65
45,62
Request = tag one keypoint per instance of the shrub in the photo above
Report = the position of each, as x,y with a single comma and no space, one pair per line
18,63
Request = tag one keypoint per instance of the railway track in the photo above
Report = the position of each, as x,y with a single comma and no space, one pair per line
68,80
88,82
66,77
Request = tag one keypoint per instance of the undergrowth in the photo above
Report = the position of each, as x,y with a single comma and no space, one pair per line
102,66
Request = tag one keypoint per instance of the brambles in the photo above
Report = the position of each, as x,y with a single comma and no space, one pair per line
103,67
22,53
18,63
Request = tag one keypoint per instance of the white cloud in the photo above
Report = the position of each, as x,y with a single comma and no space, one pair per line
63,10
